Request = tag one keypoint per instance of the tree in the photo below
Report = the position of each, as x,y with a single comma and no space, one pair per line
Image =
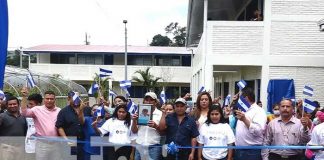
149,81
159,40
104,85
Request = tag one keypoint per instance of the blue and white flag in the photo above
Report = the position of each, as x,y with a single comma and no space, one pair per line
132,107
127,94
2,95
227,100
243,104
76,98
241,84
30,80
201,89
100,111
308,91
112,93
93,89
309,106
104,73
125,84
163,97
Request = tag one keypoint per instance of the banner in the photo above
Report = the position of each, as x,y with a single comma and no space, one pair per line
3,39
278,89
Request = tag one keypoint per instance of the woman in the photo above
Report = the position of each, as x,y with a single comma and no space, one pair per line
118,127
215,132
204,102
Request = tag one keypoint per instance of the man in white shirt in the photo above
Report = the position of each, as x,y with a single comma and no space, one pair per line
317,139
148,135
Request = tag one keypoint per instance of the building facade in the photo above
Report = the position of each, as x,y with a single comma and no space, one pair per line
229,44
79,63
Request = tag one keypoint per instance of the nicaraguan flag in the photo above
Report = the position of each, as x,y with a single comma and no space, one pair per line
93,89
309,106
131,107
308,91
125,84
30,80
201,89
104,73
227,100
241,84
76,98
100,111
243,104
127,94
112,93
163,97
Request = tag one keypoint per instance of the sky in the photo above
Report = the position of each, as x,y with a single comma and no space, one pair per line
37,22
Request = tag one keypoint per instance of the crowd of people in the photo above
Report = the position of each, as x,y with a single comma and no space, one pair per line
54,133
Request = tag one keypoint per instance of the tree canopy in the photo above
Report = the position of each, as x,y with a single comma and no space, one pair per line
178,33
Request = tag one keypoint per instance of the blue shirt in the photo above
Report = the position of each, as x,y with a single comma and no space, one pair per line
88,132
182,133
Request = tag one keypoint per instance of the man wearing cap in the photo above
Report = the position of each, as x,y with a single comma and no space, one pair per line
149,135
180,129
68,124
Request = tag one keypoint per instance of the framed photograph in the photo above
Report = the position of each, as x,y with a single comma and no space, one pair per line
144,113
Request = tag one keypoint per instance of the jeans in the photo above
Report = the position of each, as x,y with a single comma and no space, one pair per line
152,152
248,154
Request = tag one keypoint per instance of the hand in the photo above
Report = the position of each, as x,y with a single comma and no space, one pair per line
83,105
24,91
305,121
191,156
240,115
235,97
135,117
187,96
216,100
152,124
95,123
299,103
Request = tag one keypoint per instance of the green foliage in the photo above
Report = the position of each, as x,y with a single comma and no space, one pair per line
159,40
104,85
178,33
13,59
146,79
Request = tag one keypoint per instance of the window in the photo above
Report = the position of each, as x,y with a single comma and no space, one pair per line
108,59
167,60
143,60
90,59
186,60
61,58
137,91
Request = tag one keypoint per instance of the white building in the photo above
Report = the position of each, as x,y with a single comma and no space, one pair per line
228,46
80,63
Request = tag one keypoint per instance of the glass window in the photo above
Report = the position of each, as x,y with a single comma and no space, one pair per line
90,59
186,60
137,91
61,58
108,59
139,60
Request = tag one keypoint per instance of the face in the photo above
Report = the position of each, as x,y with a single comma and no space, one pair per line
32,103
13,106
1,100
121,114
260,104
118,101
93,110
204,101
49,100
169,109
180,108
215,116
150,100
286,109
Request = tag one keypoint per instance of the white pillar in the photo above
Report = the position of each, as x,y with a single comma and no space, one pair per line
209,78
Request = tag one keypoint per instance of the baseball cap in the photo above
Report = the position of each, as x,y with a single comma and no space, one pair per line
181,100
150,94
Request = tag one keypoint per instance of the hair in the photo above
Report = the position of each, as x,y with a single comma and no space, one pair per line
317,104
220,110
196,112
122,98
128,117
287,99
11,98
274,105
168,103
249,93
36,97
49,92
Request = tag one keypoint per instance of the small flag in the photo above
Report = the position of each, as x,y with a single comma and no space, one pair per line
241,84
112,93
163,97
227,100
93,89
131,107
308,91
76,98
126,92
100,111
309,106
201,89
2,95
125,84
242,104
30,80
104,73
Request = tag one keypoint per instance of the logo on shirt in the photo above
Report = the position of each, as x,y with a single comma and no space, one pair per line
120,132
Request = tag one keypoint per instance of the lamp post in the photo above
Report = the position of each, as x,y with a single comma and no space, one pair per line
125,22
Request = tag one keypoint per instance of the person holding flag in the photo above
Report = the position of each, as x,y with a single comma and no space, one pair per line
250,126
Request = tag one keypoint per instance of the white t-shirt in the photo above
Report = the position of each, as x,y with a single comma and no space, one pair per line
317,139
147,135
30,142
202,119
219,134
119,133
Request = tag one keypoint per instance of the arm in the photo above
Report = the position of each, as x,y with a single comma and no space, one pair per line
267,141
81,114
257,124
200,151
193,144
304,131
134,125
162,125
230,152
95,127
61,132
24,110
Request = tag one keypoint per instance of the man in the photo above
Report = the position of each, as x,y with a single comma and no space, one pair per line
68,124
44,117
181,130
149,135
286,130
250,128
12,123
